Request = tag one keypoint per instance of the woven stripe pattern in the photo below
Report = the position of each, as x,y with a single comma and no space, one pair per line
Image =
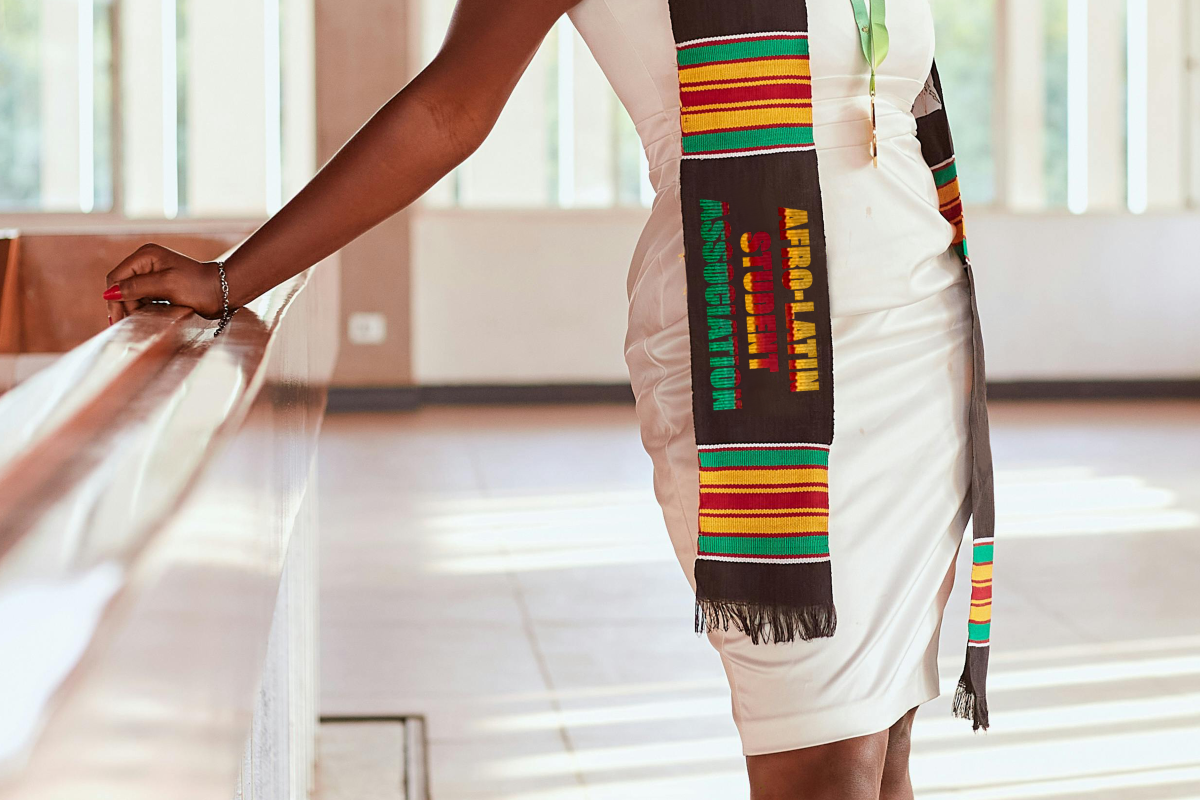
767,504
745,95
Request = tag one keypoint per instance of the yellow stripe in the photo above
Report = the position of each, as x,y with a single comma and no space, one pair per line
751,512
748,104
754,118
741,476
765,525
786,81
949,193
981,614
768,490
981,572
775,67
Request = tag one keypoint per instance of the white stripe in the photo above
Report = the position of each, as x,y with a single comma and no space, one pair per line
798,149
985,540
798,34
975,644
753,560
943,164
757,445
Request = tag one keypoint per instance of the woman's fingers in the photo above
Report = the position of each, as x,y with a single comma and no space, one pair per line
151,286
156,273
147,258
142,276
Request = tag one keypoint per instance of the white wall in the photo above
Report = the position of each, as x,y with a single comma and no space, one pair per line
520,296
539,296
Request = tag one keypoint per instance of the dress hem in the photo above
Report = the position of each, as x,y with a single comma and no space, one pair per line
866,717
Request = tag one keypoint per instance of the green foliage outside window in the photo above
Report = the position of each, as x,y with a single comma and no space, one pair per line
966,58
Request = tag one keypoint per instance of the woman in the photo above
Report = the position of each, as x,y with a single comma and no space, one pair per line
824,702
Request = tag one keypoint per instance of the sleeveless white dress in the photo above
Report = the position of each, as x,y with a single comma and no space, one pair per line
899,472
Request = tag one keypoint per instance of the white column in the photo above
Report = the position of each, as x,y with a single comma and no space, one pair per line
1021,100
1192,137
67,115
233,107
1106,124
148,105
1157,58
299,95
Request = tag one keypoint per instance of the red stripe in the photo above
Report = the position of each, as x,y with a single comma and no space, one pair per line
742,94
953,212
764,514
981,592
767,500
742,39
742,535
745,500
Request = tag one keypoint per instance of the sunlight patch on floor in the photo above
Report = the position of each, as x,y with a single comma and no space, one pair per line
1077,501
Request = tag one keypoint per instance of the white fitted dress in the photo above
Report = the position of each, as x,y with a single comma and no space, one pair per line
899,472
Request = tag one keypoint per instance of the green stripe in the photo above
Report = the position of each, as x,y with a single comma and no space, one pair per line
979,631
763,458
962,249
732,51
765,545
983,553
750,138
946,174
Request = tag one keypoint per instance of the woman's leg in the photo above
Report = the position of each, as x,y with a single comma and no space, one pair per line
848,770
896,784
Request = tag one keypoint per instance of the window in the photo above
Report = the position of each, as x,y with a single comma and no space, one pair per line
196,128
966,58
1079,104
1055,104
55,105
563,140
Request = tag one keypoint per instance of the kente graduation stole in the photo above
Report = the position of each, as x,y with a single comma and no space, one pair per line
758,313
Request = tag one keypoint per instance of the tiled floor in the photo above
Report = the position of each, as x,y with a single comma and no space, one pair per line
505,571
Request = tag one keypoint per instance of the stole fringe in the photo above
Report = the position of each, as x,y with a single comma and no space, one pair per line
767,624
970,704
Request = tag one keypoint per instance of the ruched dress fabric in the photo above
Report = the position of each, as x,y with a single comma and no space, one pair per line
899,473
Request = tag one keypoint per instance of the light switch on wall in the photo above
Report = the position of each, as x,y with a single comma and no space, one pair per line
366,327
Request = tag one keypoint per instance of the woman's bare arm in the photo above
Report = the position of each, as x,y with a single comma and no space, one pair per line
413,141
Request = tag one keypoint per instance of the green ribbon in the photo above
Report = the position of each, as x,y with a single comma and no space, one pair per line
873,32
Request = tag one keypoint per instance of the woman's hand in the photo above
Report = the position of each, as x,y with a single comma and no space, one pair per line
155,273
410,144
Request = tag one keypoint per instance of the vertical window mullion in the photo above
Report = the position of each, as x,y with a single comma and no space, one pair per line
1077,105
1021,105
150,161
566,113
66,74
1137,83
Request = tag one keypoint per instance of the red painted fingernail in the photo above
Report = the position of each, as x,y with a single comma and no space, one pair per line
112,293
